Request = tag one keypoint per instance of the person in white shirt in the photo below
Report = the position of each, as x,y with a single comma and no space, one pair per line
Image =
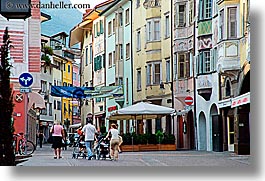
89,131
114,142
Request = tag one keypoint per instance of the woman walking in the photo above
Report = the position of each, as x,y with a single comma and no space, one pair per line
57,132
114,142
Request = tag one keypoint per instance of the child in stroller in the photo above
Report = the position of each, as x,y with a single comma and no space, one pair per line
102,148
79,148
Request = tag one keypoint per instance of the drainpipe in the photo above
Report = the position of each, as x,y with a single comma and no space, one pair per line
194,79
172,64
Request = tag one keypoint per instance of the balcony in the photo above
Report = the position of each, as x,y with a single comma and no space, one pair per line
228,55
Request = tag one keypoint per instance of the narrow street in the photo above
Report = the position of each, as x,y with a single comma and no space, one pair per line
44,157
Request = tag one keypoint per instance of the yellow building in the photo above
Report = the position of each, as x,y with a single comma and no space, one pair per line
152,60
67,81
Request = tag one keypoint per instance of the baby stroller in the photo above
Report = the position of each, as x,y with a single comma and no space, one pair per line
79,148
102,149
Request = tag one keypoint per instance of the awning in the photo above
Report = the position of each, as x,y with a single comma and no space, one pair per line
36,100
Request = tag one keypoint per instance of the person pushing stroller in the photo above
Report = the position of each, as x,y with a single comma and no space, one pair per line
89,131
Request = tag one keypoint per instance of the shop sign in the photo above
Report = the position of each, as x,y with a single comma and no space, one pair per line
112,108
240,100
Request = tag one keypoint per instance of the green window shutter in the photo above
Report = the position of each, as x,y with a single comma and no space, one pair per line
101,27
99,62
95,64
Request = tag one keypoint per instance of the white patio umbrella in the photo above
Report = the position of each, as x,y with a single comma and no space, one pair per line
141,110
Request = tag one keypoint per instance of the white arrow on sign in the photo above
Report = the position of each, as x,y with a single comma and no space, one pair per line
25,80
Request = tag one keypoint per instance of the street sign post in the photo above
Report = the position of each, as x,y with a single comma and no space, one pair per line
189,100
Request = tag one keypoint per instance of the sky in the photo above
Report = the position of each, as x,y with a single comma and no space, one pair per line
92,3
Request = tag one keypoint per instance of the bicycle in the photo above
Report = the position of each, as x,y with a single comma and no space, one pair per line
22,146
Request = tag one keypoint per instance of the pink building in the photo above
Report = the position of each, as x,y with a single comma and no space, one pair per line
76,102
25,57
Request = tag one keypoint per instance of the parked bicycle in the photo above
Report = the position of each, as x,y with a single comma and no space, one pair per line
22,146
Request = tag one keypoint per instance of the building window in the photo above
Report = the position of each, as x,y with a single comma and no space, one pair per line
183,65
137,3
153,30
227,88
232,29
205,9
181,17
127,16
127,50
204,62
74,76
110,59
69,69
157,30
153,73
50,109
86,56
120,19
167,26
54,104
59,105
101,27
221,24
138,39
114,57
149,31
109,28
121,51
148,74
191,7
208,8
91,53
167,70
113,25
139,80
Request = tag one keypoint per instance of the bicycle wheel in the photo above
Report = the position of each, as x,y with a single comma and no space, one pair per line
30,148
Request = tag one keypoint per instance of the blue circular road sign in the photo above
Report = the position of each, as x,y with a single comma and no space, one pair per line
25,79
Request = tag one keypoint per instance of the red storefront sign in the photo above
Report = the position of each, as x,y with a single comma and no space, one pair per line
112,108
241,100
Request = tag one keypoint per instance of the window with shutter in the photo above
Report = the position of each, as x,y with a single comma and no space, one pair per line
181,20
221,24
181,65
187,66
232,22
101,27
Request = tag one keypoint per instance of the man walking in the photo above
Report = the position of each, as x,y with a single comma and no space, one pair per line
89,131
41,136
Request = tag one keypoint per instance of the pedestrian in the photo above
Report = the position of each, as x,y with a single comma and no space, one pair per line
120,141
65,141
41,136
89,131
114,141
58,136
